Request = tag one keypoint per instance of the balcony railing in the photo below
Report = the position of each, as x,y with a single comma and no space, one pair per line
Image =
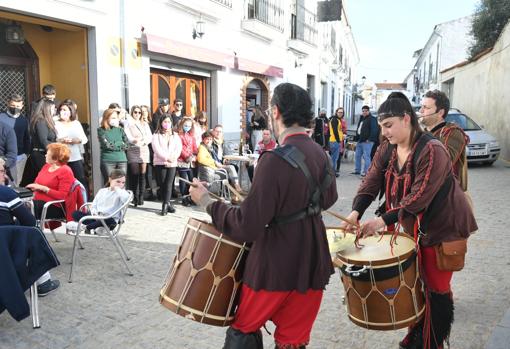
266,11
304,26
227,3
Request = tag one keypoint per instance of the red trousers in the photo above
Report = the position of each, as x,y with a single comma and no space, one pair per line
292,312
436,280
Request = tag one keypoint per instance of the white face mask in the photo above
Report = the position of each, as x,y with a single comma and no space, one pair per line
114,122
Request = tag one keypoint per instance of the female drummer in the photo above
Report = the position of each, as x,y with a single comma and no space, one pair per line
410,186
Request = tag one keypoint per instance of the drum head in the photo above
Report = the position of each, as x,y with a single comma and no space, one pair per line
377,250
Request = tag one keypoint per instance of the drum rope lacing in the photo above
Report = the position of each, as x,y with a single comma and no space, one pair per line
196,232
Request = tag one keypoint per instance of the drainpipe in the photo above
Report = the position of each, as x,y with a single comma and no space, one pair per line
124,54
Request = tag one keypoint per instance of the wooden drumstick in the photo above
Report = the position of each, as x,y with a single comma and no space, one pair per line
233,190
339,216
194,185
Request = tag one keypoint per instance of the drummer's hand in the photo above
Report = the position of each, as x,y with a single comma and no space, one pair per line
353,217
371,226
197,191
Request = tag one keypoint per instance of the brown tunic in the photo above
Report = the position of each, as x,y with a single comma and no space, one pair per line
293,256
412,190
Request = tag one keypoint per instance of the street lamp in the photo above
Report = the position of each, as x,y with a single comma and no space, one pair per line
363,79
198,29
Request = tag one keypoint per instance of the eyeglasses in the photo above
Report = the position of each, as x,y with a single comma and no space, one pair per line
178,104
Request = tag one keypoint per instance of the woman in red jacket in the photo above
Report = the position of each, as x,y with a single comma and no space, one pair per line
53,182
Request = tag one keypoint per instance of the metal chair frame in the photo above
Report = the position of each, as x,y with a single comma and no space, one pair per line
112,234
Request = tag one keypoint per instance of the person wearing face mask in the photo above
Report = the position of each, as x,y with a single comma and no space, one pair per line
14,118
187,158
167,149
70,132
113,143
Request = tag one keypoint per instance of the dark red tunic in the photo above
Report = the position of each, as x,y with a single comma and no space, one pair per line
294,256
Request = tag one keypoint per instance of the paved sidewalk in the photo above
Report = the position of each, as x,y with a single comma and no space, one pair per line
105,308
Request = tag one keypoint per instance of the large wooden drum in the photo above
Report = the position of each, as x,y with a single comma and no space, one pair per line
382,284
203,282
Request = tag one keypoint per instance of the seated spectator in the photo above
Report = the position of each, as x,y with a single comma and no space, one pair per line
12,211
53,182
267,142
208,165
106,201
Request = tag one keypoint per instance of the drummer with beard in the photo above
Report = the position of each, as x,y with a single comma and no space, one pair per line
289,263
424,199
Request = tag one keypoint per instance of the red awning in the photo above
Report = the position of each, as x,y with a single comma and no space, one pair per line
179,49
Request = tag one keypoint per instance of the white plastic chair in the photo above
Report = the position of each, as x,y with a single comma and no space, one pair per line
110,233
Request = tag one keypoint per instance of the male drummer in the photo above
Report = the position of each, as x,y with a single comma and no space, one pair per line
289,263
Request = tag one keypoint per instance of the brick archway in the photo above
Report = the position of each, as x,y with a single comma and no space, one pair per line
263,82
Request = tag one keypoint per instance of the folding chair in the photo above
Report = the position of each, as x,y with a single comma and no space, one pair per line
110,233
64,206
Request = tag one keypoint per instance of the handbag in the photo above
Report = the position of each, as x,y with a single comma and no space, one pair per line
450,255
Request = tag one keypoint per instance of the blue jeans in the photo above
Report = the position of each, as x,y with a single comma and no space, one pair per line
363,149
334,149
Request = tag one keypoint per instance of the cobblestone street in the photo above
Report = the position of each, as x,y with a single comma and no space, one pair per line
105,308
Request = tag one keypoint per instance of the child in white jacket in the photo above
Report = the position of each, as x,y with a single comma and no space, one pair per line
107,201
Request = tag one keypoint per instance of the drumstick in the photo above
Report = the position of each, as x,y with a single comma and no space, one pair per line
339,216
350,231
241,198
194,185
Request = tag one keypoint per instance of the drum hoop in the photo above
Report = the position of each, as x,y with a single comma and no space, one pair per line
195,311
220,238
381,324
383,262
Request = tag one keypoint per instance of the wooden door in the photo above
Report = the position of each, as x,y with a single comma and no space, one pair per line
190,88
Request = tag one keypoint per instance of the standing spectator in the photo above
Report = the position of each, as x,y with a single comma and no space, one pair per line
187,158
113,144
163,108
139,135
49,93
19,123
43,132
336,138
149,174
321,131
167,149
177,113
258,123
198,128
367,134
267,142
70,132
8,147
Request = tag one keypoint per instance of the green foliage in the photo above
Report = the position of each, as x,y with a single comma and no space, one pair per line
489,19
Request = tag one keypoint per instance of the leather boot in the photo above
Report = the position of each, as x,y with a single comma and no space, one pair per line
236,339
134,188
164,209
141,188
170,207
414,338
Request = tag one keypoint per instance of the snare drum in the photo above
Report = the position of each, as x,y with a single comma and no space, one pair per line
382,285
203,283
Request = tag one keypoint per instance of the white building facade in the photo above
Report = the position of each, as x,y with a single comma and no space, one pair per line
218,56
447,45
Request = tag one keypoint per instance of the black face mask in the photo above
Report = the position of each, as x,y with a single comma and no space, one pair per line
14,111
